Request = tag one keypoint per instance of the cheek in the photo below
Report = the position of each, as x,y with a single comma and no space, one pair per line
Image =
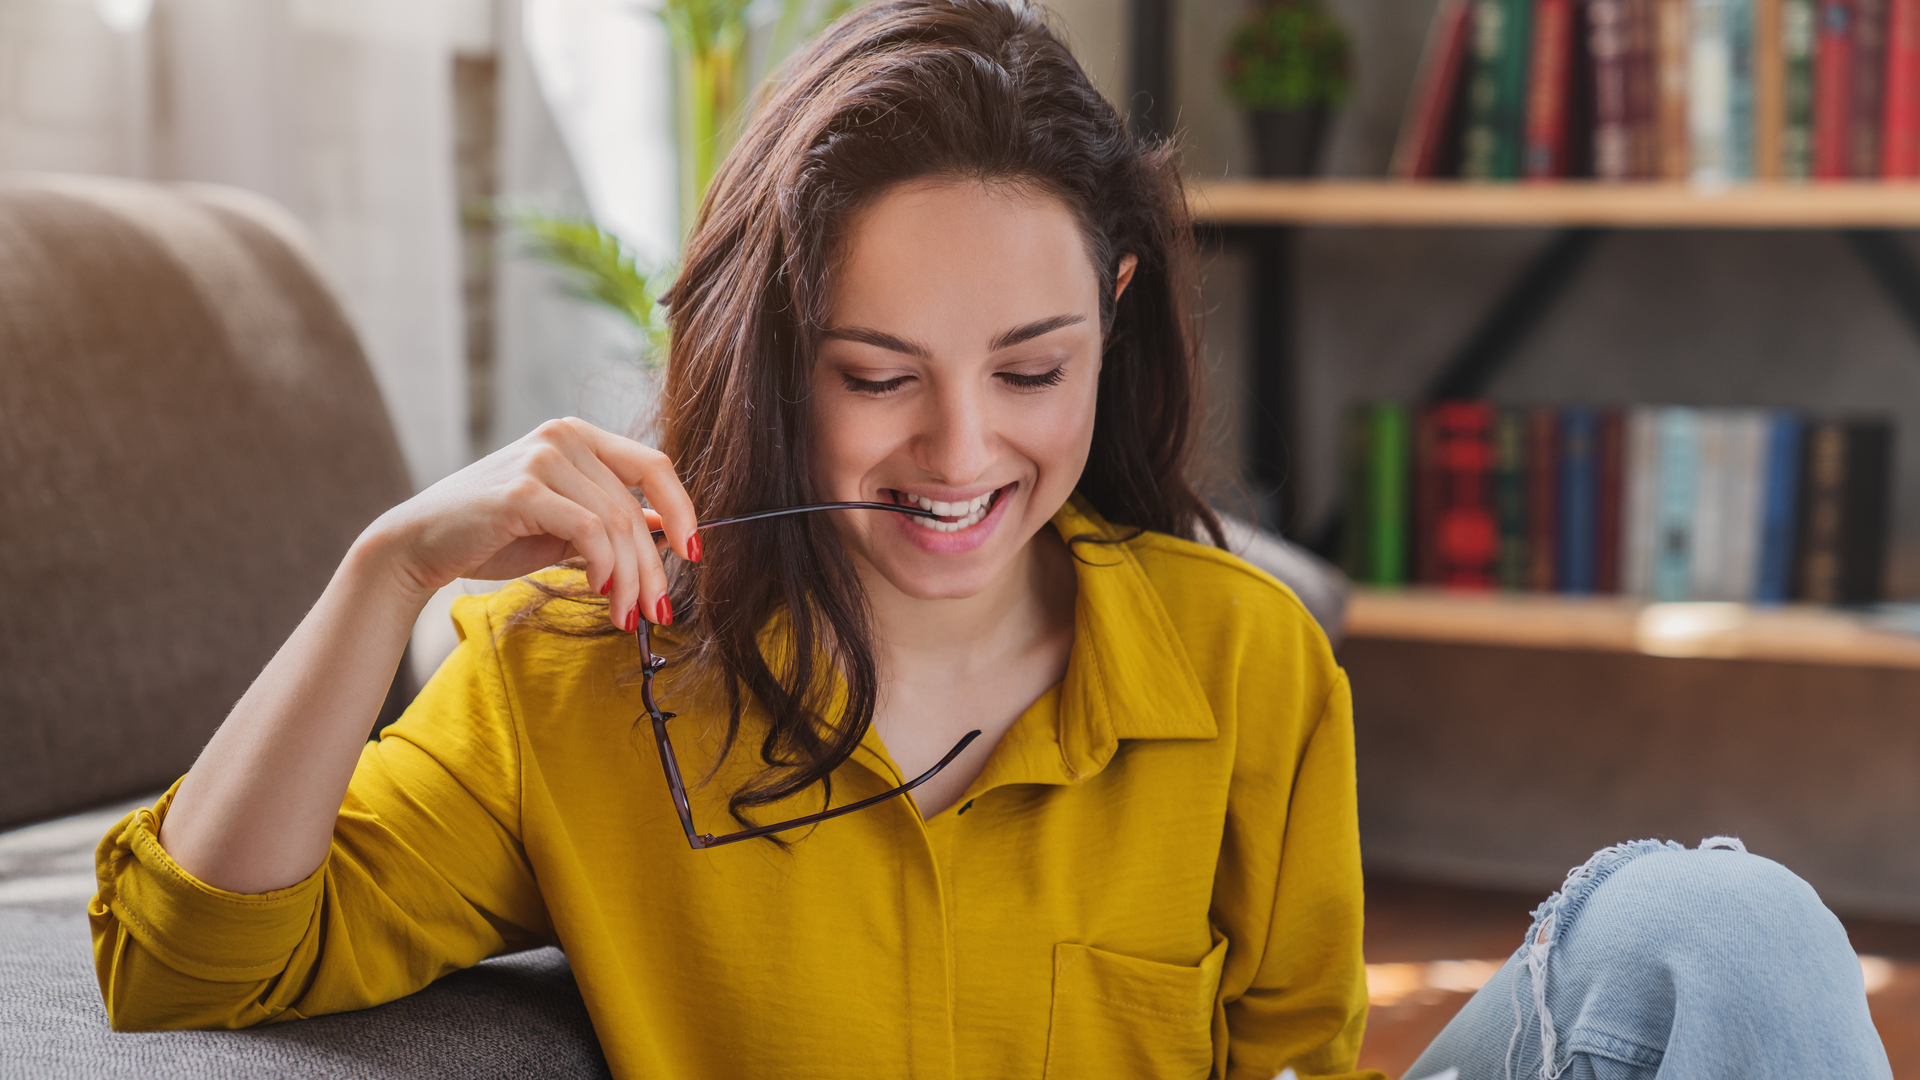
845,446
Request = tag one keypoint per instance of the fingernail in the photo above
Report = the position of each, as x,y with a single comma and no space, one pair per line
633,619
693,548
663,612
608,587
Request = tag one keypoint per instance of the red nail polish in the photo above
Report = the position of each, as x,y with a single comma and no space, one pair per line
608,587
693,548
633,619
663,612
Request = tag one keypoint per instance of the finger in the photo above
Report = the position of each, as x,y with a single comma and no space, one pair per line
538,510
642,466
629,584
652,572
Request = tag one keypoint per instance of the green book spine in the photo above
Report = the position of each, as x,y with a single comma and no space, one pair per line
1497,94
1796,48
1356,528
1510,497
1387,488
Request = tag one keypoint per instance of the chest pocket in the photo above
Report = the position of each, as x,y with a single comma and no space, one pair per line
1119,1016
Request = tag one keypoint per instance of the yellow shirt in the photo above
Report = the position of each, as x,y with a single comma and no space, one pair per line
1157,872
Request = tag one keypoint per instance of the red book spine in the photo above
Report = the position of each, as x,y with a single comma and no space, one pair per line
1643,91
1543,496
1832,89
1546,156
1900,141
1466,532
1421,150
1429,483
1613,463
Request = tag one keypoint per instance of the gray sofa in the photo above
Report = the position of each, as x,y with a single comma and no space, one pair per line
189,440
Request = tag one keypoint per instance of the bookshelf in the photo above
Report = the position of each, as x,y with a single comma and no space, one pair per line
1566,204
1795,633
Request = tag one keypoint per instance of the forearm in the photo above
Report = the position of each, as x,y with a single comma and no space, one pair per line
257,810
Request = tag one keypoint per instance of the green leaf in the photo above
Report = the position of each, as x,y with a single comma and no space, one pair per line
602,270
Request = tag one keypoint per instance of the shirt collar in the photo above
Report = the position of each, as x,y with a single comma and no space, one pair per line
1128,675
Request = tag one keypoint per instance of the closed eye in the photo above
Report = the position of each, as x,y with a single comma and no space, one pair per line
1034,382
874,387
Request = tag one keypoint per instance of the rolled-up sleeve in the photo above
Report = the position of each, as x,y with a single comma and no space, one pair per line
426,875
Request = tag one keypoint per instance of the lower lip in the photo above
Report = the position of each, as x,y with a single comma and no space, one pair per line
954,543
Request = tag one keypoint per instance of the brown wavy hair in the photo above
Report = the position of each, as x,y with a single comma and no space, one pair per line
896,91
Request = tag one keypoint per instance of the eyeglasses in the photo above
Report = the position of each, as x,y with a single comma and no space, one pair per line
671,764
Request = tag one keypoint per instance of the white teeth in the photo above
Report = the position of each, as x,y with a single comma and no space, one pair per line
969,513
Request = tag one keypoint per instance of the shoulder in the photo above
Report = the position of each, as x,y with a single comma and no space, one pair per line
540,633
1215,597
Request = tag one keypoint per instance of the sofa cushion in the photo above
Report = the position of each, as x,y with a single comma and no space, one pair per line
190,439
518,1016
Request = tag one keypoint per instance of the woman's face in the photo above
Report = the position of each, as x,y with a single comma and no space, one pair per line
958,372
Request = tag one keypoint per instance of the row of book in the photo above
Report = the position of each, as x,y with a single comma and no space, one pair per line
1709,90
1666,502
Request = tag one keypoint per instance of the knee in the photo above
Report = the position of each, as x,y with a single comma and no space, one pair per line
1671,903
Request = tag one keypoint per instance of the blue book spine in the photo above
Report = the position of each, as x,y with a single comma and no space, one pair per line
1579,518
1779,501
1679,479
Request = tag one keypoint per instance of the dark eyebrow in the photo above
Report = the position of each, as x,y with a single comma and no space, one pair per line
880,339
1033,330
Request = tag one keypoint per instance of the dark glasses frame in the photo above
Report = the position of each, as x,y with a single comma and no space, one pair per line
670,764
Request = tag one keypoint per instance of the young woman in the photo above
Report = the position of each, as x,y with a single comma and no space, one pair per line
936,275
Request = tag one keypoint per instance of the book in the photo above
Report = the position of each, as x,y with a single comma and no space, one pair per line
1510,497
1577,528
1796,57
1543,497
1823,499
1672,45
1465,535
1356,485
1549,89
1608,513
1430,132
1832,88
1497,100
1869,78
1769,88
1429,483
1711,529
1866,505
1387,467
1670,575
1607,35
1639,501
1643,91
1900,131
1740,89
1726,529
1710,92
1780,494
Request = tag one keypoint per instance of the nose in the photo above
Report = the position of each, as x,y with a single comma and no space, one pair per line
956,440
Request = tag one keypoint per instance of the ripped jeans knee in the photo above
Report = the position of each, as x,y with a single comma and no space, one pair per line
1656,960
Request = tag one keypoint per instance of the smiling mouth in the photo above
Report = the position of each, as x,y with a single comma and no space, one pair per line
952,516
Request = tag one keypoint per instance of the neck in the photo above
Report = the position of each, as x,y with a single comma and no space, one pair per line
1028,601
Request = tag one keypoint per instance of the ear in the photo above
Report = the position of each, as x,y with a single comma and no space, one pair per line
1125,274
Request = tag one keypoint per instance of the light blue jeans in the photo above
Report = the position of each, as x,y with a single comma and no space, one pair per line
1654,960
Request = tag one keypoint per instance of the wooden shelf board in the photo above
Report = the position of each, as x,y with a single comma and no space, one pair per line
1794,633
1835,205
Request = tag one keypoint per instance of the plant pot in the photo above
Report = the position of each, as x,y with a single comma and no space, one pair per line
1287,142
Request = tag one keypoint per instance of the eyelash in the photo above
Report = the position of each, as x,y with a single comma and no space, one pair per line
877,389
1034,382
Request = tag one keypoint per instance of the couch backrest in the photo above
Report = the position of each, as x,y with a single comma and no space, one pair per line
190,438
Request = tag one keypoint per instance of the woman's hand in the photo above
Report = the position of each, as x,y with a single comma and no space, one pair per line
558,492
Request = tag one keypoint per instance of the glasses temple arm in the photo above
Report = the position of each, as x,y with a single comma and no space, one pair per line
910,511
708,840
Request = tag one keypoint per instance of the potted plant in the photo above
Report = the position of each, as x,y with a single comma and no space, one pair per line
1289,64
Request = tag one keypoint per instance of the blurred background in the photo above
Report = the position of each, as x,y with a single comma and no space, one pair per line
496,188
